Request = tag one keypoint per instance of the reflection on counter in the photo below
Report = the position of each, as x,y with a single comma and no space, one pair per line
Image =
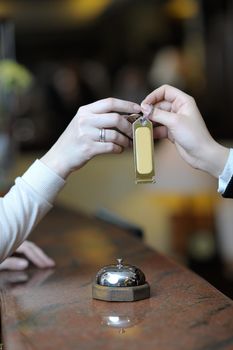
28,278
119,316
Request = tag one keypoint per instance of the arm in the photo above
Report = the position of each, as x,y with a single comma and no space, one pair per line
26,204
33,194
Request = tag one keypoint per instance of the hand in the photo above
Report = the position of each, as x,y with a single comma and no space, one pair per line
32,253
177,118
81,140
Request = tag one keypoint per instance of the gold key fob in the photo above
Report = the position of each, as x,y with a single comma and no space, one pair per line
143,147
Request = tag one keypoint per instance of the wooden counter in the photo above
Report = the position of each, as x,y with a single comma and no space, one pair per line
54,309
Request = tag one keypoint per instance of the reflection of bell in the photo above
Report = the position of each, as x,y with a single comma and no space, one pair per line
120,283
117,322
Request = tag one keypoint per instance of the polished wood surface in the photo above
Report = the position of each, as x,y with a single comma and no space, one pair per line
54,309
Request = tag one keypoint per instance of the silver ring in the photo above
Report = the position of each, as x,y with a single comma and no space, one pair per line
102,135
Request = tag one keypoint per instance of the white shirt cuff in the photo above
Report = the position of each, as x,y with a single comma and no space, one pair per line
43,180
227,173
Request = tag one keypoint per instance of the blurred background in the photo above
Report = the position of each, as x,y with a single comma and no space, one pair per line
56,55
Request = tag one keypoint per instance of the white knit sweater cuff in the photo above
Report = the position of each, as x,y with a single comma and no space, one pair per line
43,180
227,173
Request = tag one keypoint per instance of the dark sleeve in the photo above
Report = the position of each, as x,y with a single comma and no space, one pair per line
229,189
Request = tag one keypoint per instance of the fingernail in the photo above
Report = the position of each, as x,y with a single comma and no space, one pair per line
147,109
137,108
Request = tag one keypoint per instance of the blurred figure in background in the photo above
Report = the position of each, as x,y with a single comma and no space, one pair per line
65,91
167,67
95,75
130,83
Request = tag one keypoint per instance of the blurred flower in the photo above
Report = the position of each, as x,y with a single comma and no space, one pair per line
14,78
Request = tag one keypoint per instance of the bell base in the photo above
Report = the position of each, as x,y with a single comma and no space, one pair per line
120,293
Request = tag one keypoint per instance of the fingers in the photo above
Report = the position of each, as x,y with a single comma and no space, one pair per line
116,128
166,93
116,137
35,255
164,105
147,110
163,117
160,132
13,263
107,147
113,120
113,105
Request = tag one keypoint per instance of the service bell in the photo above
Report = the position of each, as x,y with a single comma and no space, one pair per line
120,283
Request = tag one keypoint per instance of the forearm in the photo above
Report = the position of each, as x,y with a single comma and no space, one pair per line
25,205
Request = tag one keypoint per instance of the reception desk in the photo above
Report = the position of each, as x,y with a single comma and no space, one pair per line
54,309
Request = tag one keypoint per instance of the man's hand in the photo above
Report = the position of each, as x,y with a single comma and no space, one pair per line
177,118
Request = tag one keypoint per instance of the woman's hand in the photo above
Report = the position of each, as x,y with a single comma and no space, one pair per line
97,128
32,253
177,118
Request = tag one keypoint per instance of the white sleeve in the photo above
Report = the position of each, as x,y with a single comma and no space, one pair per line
26,204
227,173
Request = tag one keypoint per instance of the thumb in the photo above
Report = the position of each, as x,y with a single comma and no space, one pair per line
13,263
146,109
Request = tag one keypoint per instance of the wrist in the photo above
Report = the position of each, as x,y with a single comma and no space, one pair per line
54,163
215,158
